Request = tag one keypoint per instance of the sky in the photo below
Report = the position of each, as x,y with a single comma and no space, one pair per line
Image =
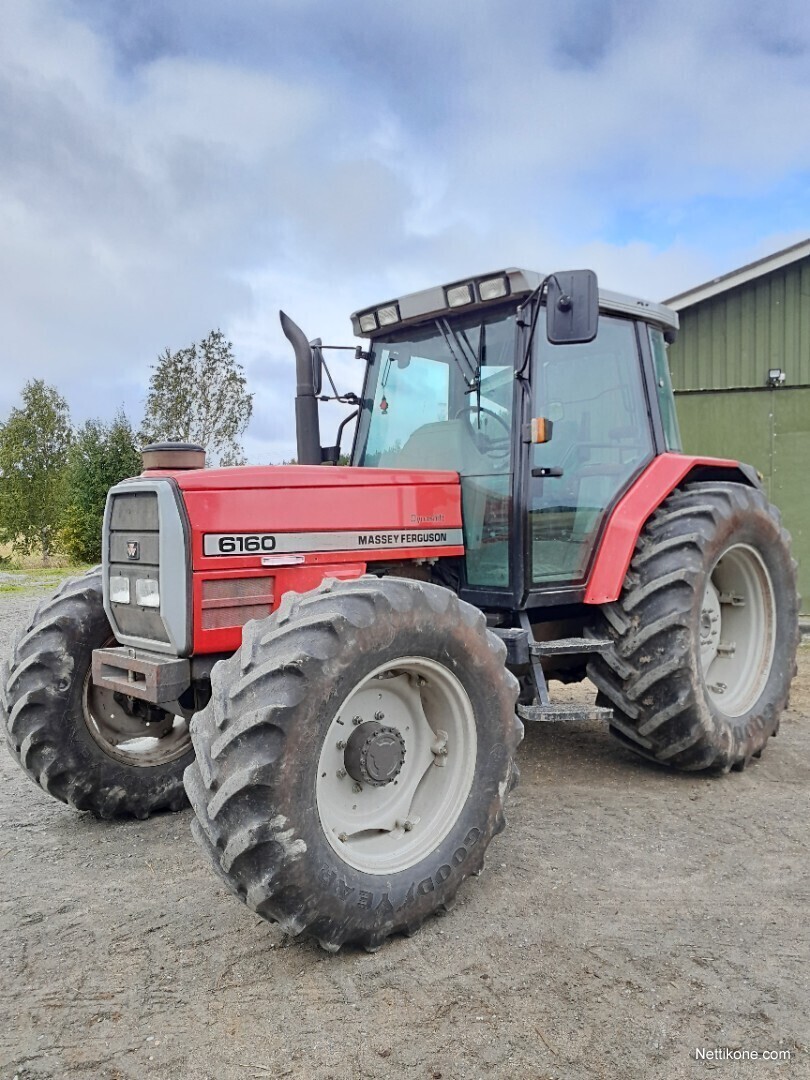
170,167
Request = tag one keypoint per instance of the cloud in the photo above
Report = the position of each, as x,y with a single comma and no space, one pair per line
167,168
129,209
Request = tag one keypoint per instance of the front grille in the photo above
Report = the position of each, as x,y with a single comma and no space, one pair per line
134,552
230,602
146,537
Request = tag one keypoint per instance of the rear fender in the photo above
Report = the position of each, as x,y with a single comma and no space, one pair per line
631,512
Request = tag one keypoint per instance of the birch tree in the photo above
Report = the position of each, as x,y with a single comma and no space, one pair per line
199,395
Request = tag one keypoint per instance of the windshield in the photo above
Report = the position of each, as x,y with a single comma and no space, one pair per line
440,397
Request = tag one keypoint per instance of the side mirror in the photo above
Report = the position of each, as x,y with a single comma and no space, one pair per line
317,366
572,307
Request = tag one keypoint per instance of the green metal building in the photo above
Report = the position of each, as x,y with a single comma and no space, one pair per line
741,373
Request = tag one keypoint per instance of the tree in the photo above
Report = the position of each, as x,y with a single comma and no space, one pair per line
101,455
34,442
199,395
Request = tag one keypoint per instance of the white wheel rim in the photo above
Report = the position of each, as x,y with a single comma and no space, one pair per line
386,829
737,630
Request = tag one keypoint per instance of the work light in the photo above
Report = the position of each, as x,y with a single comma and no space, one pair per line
492,288
459,295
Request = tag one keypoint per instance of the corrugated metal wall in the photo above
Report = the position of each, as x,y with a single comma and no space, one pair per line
719,370
732,339
769,429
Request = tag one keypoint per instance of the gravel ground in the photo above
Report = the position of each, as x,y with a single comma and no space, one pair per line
627,917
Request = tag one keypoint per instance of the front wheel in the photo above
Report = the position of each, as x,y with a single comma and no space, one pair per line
83,744
705,631
354,758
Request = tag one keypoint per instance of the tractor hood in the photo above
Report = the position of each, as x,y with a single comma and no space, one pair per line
251,517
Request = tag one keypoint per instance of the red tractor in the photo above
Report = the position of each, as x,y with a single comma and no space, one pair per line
339,658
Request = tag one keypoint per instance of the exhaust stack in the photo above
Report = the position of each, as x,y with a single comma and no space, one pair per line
307,422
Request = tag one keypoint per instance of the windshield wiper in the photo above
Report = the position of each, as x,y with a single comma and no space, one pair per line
469,370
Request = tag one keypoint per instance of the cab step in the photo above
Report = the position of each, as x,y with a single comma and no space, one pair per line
555,714
570,646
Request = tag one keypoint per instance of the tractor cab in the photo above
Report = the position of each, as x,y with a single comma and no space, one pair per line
547,411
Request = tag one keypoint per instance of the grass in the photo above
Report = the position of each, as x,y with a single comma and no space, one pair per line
32,582
13,562
30,573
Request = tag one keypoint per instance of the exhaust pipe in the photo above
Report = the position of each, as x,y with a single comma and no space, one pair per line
307,421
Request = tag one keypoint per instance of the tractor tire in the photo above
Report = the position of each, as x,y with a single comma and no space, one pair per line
74,739
353,760
705,631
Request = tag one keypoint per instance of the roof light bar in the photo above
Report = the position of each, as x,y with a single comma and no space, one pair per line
368,322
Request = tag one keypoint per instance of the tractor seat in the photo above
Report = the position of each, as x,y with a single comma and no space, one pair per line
443,444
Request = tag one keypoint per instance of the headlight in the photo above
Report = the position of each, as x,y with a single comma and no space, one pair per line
147,592
119,590
368,322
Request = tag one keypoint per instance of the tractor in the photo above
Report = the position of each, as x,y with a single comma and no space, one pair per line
333,663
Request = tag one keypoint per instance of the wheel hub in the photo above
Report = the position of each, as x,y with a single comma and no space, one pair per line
374,754
710,622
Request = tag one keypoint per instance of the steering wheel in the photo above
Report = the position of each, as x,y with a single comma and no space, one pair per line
488,444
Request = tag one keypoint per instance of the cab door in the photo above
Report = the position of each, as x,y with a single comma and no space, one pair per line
602,437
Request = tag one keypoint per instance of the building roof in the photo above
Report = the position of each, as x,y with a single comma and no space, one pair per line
747,273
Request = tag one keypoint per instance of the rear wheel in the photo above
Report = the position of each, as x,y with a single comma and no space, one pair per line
705,631
354,758
84,745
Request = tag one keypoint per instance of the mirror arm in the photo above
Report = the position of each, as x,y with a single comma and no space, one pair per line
536,296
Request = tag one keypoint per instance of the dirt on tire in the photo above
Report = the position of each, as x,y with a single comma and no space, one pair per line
629,917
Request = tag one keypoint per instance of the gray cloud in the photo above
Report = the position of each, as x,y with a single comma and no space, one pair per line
168,168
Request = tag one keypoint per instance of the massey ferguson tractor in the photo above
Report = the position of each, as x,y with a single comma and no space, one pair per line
334,664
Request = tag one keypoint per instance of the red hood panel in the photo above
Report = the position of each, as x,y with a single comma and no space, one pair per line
263,477
301,499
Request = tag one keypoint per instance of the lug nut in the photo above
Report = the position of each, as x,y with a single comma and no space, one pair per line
342,837
341,745
357,788
379,715
407,826
357,720
340,774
